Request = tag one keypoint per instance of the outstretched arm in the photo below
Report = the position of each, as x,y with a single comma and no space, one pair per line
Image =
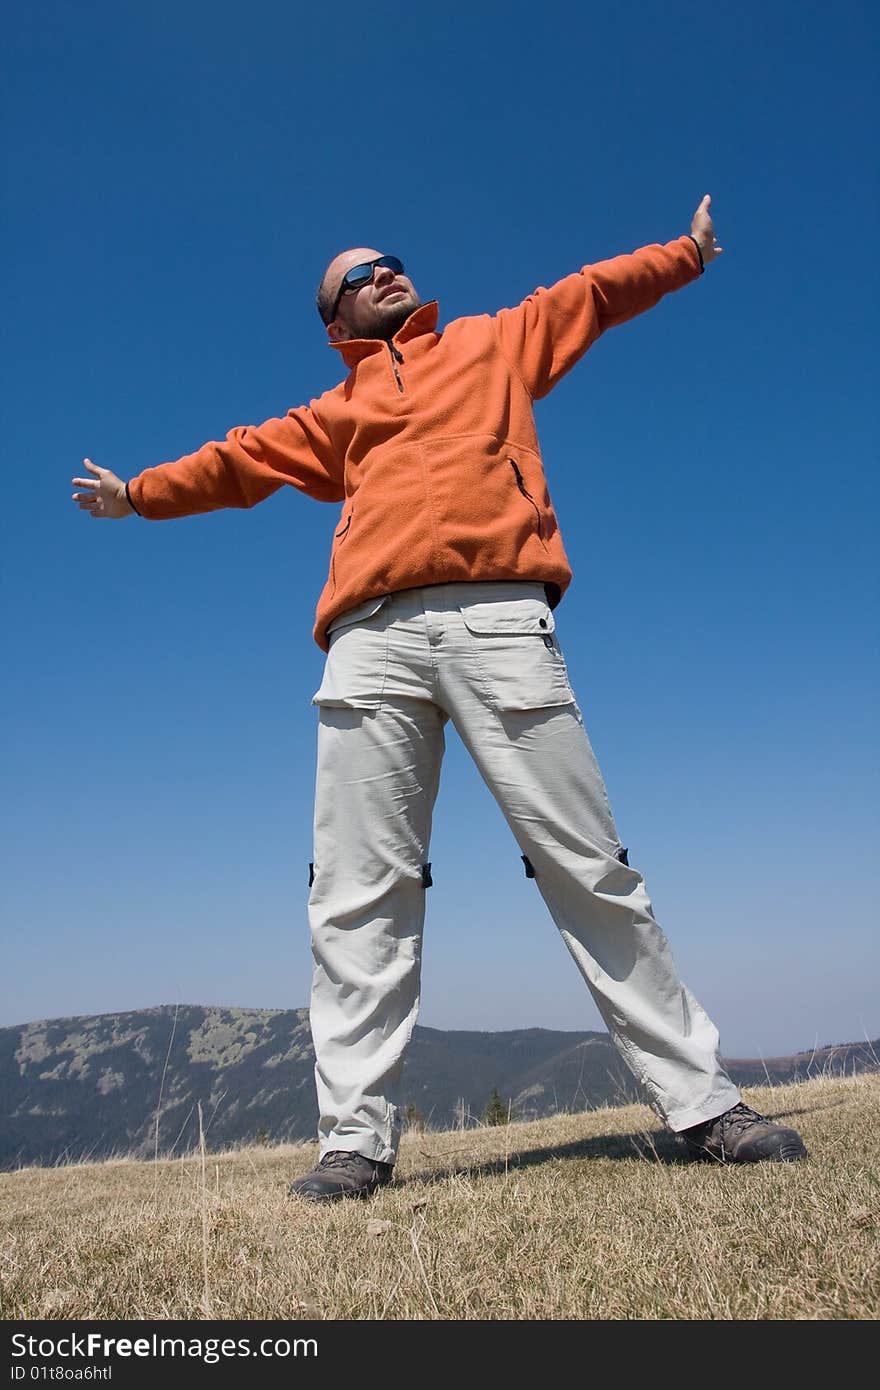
248,466
552,329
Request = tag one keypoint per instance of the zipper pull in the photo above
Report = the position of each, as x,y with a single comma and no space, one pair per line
395,358
519,478
520,482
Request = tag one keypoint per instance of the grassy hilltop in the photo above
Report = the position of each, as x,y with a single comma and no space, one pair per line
599,1215
88,1088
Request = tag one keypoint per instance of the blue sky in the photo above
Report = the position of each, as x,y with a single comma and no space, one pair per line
178,176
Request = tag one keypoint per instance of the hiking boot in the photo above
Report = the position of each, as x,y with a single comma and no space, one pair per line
742,1135
342,1174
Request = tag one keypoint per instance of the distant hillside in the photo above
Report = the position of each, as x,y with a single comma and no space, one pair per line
72,1088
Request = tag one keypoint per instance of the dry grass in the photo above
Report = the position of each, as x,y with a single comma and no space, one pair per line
596,1215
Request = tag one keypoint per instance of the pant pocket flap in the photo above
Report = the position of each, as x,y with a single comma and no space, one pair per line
516,616
357,615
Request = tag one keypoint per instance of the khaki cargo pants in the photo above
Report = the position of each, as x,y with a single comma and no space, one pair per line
486,656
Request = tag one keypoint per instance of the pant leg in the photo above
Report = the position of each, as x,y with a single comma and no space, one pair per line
378,771
508,693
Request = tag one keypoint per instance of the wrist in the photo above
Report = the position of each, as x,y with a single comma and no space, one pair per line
699,251
127,495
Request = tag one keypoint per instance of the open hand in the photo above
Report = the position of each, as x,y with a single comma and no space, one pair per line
106,496
703,232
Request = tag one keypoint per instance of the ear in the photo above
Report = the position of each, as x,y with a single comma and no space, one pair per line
338,332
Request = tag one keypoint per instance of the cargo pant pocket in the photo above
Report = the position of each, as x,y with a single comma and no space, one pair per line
517,654
354,671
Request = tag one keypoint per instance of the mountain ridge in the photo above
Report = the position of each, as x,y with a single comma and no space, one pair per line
132,1082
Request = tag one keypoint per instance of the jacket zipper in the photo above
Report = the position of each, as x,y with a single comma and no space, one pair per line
525,492
395,358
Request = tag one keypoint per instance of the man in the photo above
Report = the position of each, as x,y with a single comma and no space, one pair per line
445,569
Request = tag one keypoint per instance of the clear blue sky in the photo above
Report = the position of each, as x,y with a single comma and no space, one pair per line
178,177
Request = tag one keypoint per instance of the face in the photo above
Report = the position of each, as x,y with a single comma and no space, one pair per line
376,310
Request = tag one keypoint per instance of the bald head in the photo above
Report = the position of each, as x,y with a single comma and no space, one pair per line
376,310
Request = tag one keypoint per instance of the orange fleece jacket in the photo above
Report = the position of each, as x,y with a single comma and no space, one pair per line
429,443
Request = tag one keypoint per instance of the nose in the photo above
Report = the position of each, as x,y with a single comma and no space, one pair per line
383,275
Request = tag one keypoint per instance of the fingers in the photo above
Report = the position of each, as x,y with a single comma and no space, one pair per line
90,501
87,502
88,482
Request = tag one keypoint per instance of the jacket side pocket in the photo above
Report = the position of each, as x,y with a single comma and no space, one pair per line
521,484
339,538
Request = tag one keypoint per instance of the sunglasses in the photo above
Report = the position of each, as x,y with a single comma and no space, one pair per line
361,275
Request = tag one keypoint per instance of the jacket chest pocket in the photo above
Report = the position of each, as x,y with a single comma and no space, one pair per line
517,654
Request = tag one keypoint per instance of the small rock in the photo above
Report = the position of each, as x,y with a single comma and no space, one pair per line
378,1228
55,1299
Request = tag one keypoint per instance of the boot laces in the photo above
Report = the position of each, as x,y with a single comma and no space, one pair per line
739,1118
339,1158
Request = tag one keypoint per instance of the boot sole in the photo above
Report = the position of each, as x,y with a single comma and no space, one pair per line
786,1153
357,1194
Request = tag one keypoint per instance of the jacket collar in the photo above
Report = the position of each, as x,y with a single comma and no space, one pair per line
422,320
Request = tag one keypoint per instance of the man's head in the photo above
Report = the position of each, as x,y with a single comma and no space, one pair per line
377,309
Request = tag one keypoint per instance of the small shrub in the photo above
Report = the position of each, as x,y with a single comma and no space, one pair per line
496,1112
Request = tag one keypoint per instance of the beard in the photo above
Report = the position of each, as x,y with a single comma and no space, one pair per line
390,318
